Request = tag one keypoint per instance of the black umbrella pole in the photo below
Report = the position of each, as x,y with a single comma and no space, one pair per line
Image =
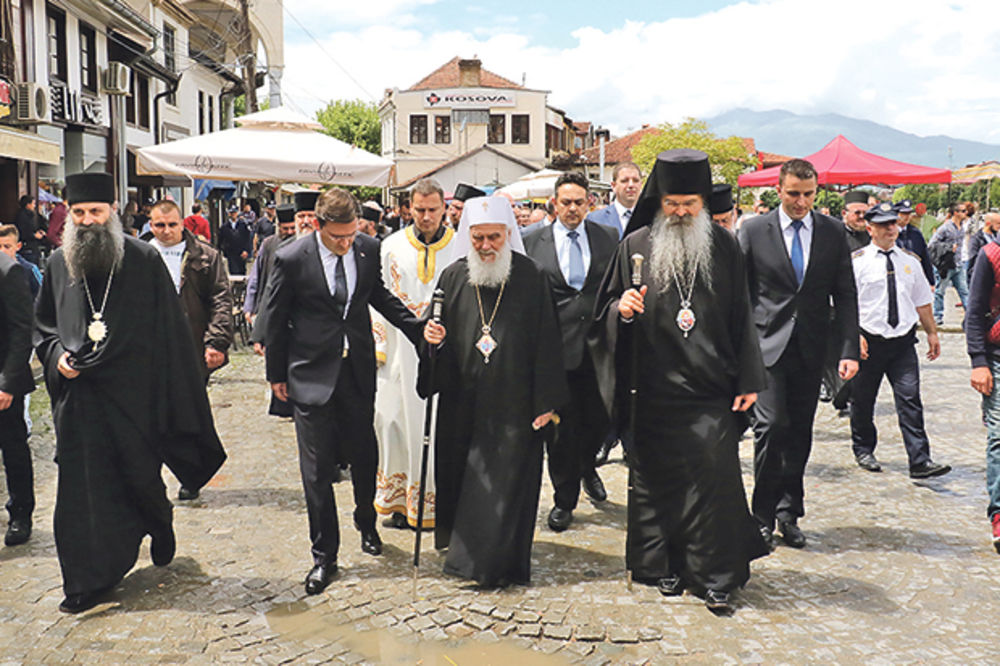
436,305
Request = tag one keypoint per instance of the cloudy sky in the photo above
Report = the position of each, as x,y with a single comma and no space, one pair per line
922,66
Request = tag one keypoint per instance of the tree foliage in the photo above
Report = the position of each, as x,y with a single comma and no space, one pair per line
771,198
353,121
728,156
938,197
829,199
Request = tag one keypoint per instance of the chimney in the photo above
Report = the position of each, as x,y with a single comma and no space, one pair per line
469,72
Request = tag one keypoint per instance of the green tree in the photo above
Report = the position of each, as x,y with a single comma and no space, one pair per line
829,199
240,105
354,122
728,156
770,198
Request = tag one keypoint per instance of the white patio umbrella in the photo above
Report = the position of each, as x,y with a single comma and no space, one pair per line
534,185
276,145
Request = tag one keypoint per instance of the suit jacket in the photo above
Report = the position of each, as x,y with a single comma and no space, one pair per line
781,308
304,333
234,241
16,325
574,308
608,216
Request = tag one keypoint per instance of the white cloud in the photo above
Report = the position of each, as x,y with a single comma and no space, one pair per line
917,65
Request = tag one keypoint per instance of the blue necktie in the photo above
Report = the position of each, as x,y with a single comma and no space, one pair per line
798,259
576,276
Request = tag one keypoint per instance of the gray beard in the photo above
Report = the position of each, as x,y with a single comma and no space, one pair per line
489,274
679,242
95,249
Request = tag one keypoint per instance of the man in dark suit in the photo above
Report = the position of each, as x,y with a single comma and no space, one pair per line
574,255
797,260
236,242
15,382
321,357
626,183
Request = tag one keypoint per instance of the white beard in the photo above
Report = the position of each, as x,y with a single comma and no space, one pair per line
490,274
94,250
679,242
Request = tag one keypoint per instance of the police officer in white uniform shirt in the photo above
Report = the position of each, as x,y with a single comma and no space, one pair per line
893,295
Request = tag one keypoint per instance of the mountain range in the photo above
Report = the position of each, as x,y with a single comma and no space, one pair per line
787,133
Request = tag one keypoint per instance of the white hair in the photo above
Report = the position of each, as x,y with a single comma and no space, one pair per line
679,244
493,273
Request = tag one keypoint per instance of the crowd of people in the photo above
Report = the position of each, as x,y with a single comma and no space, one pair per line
666,321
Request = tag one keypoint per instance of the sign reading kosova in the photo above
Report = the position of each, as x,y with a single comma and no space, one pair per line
469,98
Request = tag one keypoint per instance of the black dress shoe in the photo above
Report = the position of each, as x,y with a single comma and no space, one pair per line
396,521
594,487
559,519
371,543
187,494
671,586
718,602
604,451
77,603
792,535
928,469
867,461
163,547
319,577
18,531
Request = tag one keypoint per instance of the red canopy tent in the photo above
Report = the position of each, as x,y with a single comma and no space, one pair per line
840,162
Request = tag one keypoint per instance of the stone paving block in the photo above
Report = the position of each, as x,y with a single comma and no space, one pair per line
579,649
553,618
504,614
483,607
505,628
589,632
477,621
619,634
459,631
404,614
557,631
425,607
529,630
356,614
433,634
420,623
650,634
446,616
523,616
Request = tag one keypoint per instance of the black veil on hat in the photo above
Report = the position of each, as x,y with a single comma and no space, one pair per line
678,171
464,192
306,200
87,187
721,200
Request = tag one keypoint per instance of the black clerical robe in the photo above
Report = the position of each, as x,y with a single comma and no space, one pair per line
688,512
138,402
488,458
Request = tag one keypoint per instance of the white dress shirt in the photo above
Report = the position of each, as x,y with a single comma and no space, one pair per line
560,234
805,235
330,270
912,290
621,210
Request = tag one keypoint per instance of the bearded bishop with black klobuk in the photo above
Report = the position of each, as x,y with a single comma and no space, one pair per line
699,368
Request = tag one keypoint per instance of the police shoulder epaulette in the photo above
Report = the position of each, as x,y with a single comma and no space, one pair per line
911,253
857,253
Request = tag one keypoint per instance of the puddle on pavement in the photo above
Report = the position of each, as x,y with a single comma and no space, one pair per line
298,622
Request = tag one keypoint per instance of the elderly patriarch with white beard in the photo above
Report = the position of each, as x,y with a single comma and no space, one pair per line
500,375
699,370
127,395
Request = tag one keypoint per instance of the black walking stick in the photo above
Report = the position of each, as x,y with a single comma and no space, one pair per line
633,393
437,302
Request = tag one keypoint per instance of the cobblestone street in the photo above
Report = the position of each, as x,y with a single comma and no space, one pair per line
895,571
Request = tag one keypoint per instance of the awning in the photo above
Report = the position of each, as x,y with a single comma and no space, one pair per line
155,181
21,145
203,188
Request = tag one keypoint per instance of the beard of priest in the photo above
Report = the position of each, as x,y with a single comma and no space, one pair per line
699,366
497,393
108,306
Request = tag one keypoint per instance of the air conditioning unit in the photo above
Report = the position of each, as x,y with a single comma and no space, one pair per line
32,103
116,78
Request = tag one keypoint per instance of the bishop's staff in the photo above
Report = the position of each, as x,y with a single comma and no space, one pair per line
633,393
437,303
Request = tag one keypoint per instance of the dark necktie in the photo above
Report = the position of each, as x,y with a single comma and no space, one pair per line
798,258
890,284
340,282
576,276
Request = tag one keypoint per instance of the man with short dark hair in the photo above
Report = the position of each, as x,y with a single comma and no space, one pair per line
28,228
320,356
626,182
574,254
197,224
126,391
265,225
797,260
944,249
235,242
16,382
911,240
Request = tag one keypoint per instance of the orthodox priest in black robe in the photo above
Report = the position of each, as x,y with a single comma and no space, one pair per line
500,375
127,395
699,368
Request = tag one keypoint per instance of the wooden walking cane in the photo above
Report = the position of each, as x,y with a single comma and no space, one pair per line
437,303
633,392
